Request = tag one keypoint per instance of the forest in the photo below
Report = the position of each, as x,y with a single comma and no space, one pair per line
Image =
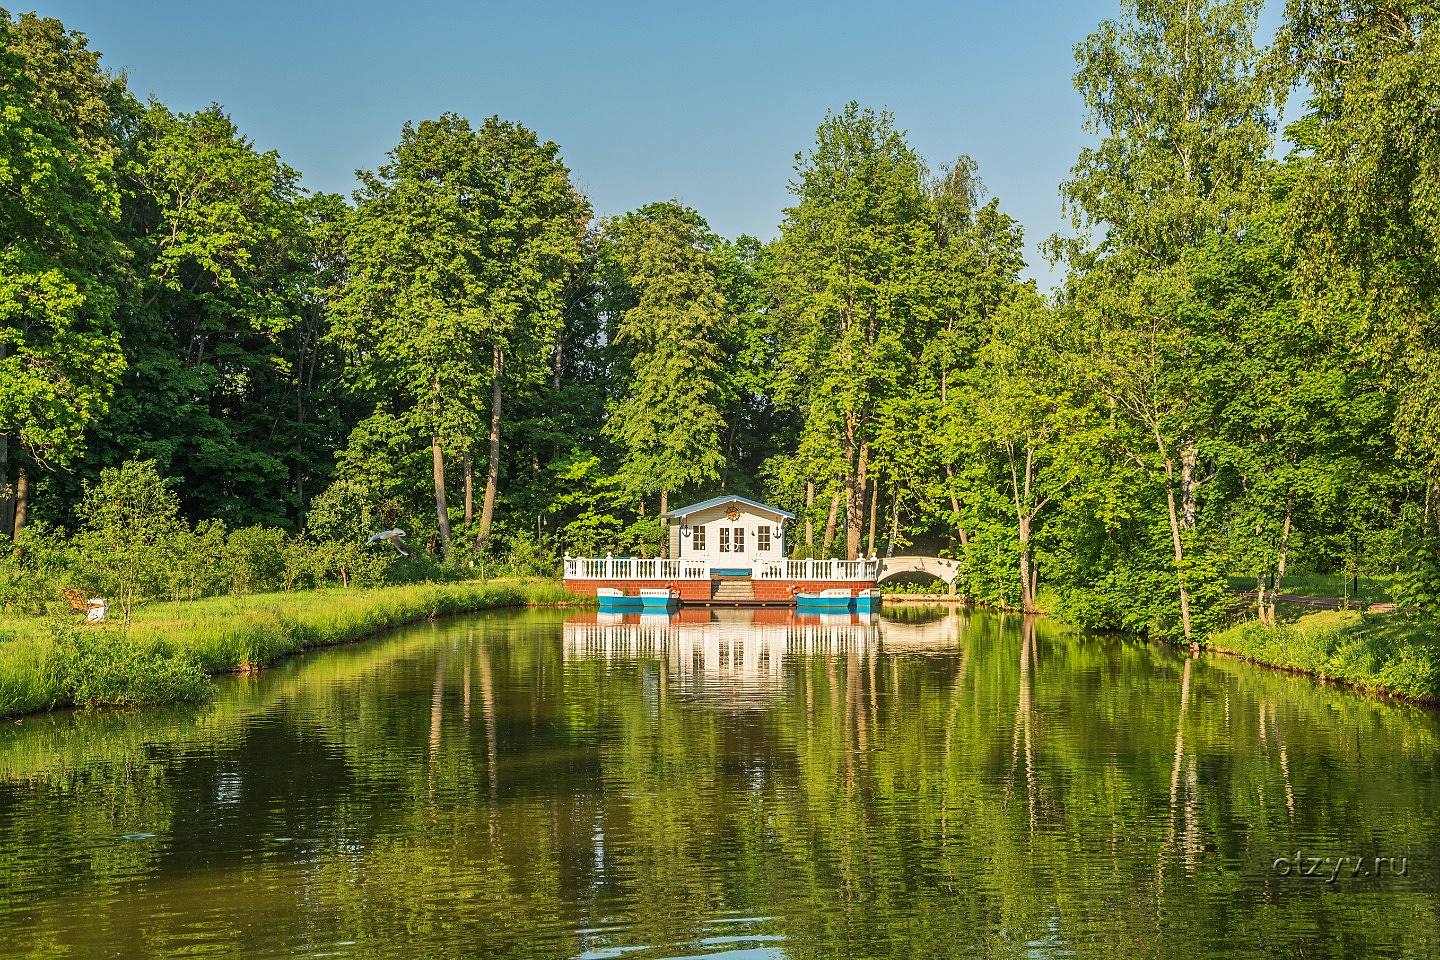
214,380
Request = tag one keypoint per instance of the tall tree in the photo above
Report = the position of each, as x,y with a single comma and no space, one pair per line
853,288
1175,93
60,260
1365,213
672,318
458,256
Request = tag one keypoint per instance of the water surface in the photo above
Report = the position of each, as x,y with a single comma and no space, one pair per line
547,785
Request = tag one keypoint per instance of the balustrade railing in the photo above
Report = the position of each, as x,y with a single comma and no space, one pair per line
638,568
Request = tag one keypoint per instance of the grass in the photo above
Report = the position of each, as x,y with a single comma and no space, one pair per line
1329,585
172,648
1397,654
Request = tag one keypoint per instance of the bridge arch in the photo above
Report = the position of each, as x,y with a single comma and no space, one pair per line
941,568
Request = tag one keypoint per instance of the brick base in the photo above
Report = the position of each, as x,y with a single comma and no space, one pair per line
773,590
686,590
699,591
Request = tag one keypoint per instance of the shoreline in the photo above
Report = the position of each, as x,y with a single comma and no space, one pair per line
174,649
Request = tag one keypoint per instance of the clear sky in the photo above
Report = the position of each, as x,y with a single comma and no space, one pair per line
705,103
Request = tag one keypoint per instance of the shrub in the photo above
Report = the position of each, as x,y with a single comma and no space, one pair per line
109,668
254,559
33,570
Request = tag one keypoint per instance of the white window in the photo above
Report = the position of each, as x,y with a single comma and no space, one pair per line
739,539
697,537
724,539
762,540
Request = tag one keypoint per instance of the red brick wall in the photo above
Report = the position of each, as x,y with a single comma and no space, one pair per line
686,589
781,589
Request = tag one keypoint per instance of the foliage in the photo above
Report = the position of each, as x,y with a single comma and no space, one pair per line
673,316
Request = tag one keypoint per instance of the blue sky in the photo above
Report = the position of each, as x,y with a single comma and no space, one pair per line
707,103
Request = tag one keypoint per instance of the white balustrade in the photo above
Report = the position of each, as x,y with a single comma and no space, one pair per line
638,568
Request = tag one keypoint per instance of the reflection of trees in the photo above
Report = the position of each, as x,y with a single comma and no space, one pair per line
471,790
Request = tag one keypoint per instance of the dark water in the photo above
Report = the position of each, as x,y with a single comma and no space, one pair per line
532,785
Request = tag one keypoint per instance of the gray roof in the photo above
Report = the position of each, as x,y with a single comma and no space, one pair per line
718,501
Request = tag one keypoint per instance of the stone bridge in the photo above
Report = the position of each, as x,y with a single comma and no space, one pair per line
937,567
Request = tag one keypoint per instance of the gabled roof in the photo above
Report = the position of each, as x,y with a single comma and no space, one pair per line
719,501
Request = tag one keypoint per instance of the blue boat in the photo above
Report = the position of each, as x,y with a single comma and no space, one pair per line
839,600
656,599
649,600
613,600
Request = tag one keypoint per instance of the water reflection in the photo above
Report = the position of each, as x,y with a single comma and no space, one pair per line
744,784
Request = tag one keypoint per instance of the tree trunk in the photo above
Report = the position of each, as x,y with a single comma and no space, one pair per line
1027,600
442,509
1284,554
809,520
894,522
22,500
1189,483
830,522
664,525
855,504
469,466
7,492
955,509
1179,556
874,510
492,472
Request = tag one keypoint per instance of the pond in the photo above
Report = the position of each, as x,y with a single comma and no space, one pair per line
752,785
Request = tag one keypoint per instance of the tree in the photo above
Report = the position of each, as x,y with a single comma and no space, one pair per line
130,525
59,257
1364,213
459,252
672,318
1026,410
852,284
1174,90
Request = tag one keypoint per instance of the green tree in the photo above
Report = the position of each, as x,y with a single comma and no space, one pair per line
59,257
672,319
130,527
853,290
222,329
459,253
1365,214
1174,91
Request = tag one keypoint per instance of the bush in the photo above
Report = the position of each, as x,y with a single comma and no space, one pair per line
33,570
109,668
254,559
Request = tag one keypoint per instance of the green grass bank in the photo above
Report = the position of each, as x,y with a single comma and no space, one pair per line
172,649
1397,654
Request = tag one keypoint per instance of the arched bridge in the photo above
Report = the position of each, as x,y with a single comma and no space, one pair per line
937,567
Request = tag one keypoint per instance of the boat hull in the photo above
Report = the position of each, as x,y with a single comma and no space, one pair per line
839,601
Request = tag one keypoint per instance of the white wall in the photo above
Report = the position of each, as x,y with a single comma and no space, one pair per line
749,521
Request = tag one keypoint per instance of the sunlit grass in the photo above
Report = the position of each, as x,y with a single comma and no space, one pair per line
1395,653
50,662
1369,589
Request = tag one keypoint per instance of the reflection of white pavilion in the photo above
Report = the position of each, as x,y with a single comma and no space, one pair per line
733,654
738,656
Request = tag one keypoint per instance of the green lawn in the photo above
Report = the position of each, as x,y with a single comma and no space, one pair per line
171,648
1371,589
1397,653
